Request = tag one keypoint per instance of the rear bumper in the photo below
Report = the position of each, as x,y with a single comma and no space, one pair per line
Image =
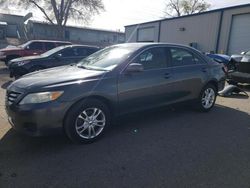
240,77
3,58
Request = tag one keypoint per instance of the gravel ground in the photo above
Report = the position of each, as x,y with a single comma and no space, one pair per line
170,147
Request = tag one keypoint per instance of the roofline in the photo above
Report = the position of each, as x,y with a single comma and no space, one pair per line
16,15
49,41
196,14
78,27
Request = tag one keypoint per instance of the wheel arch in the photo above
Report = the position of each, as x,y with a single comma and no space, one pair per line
214,83
104,100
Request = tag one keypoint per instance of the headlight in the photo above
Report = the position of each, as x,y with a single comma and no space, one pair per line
21,63
42,97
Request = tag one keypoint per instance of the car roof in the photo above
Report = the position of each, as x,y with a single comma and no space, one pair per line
152,44
55,41
79,45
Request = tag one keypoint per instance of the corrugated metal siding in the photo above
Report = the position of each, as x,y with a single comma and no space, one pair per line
202,29
226,26
240,34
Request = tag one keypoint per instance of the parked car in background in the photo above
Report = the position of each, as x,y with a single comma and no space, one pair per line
63,55
224,59
33,47
83,98
244,57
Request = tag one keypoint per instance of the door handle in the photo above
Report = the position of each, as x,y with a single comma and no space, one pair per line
167,75
204,69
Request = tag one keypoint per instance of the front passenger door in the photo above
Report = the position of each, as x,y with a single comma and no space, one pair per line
149,88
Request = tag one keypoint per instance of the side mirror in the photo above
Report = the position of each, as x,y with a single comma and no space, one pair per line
27,47
135,67
242,53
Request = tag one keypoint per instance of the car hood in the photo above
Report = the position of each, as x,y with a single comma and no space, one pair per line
11,49
56,76
27,58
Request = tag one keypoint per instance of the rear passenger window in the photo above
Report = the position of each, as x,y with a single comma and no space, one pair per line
182,57
49,45
69,52
82,52
36,46
154,58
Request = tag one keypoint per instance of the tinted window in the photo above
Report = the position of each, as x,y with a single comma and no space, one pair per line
182,57
153,58
248,53
36,46
82,52
63,43
49,45
69,52
91,51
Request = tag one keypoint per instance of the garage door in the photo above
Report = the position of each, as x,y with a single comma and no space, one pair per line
240,34
146,34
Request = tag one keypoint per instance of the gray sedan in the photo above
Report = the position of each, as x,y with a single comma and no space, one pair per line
82,99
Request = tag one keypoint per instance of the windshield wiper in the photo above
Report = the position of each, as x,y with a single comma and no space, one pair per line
90,68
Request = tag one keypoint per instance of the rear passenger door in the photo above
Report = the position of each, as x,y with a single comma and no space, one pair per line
190,72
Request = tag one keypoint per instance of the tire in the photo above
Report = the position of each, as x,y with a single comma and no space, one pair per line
207,98
80,125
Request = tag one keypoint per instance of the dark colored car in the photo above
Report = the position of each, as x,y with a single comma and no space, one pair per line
243,57
33,47
82,99
63,55
224,59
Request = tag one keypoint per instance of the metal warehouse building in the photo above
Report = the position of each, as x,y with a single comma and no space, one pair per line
224,30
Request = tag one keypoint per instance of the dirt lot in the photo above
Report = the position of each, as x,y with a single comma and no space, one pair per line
172,147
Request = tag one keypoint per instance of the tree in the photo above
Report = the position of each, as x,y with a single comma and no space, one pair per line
185,7
58,12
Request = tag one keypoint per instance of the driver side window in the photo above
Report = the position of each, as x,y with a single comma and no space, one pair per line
154,58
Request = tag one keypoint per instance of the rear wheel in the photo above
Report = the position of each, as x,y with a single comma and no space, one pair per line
87,121
207,98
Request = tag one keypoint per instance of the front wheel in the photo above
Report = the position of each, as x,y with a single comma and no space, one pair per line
87,121
207,98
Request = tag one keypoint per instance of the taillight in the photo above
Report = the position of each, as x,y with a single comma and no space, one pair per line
225,69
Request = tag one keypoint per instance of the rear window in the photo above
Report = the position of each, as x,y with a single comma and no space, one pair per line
36,46
49,45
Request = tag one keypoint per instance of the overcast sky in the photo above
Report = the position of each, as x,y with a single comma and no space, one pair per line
125,12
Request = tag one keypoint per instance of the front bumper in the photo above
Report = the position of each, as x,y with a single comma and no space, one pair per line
17,71
37,119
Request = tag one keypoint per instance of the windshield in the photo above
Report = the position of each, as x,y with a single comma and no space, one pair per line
247,53
106,59
53,51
